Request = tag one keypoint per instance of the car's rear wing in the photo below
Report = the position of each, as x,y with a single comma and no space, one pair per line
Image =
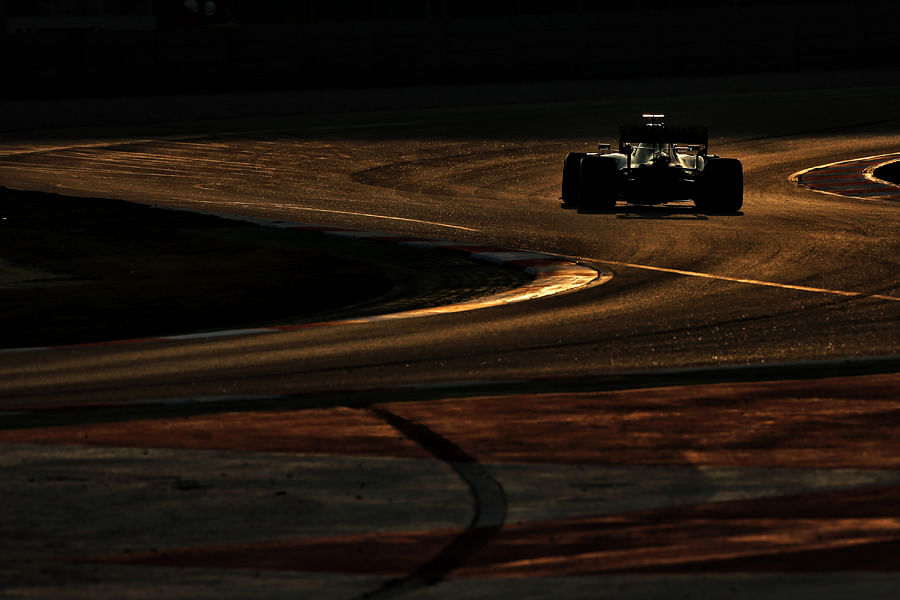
663,134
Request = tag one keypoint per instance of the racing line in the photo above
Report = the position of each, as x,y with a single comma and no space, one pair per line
849,178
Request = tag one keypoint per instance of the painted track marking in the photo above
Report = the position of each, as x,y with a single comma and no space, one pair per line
786,286
337,212
550,275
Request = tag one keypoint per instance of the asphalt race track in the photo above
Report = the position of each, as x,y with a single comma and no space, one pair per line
718,419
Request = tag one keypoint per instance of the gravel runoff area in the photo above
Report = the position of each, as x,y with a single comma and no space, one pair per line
83,270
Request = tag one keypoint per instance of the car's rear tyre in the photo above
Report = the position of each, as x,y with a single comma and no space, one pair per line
571,180
721,186
599,182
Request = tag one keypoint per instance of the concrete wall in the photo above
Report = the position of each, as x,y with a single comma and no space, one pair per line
624,43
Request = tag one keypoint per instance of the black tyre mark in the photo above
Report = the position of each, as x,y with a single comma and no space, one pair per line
490,508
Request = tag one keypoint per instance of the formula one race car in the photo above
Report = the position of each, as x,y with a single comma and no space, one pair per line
655,163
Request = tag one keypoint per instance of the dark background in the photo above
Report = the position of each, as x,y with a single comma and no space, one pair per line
54,48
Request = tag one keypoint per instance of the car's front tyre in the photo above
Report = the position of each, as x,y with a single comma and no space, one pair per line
571,180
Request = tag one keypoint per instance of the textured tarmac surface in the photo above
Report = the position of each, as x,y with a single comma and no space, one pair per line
717,420
715,479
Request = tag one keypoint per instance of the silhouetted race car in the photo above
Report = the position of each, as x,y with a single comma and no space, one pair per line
655,163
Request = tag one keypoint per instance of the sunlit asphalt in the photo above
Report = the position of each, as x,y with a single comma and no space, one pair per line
523,450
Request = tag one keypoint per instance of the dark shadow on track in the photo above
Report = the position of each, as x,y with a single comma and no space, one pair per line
651,212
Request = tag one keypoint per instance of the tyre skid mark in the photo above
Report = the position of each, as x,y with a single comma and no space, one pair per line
403,563
489,508
856,527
